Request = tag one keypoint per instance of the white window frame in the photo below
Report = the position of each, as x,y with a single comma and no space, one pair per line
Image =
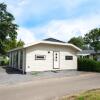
69,57
40,57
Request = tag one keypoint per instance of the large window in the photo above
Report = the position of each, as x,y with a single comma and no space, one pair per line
40,57
68,57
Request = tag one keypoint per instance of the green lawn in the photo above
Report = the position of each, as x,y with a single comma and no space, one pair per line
89,95
35,73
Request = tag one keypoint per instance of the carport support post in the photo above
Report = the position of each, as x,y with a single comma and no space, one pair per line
23,72
24,57
19,59
10,58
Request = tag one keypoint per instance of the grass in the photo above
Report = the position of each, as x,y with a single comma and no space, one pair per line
35,73
88,95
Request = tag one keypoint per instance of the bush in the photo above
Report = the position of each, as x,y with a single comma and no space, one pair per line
4,61
97,68
88,65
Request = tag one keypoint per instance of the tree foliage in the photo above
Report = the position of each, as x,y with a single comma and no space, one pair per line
20,43
93,39
7,28
14,44
78,41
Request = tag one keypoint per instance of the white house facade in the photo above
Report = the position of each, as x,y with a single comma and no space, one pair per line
44,56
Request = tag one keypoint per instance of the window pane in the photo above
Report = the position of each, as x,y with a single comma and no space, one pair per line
40,57
68,57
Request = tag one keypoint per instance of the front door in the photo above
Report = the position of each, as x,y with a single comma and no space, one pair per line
56,59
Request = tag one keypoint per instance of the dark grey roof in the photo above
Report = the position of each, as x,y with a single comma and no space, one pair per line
88,52
53,40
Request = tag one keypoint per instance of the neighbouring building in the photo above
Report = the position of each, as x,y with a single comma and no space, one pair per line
89,54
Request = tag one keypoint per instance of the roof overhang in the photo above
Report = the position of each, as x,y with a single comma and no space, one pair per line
46,42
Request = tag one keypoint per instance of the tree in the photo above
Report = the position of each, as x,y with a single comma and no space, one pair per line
93,39
78,41
14,44
20,43
7,28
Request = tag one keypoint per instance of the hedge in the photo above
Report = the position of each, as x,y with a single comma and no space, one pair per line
88,65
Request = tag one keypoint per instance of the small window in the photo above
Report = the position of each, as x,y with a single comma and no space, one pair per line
68,57
40,57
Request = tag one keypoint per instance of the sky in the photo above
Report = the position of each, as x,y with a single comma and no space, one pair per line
60,19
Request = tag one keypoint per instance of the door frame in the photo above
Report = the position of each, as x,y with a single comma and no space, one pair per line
58,62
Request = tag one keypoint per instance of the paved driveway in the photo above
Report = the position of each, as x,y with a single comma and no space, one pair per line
50,89
9,76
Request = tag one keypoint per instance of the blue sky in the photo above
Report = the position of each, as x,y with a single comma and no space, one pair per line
61,19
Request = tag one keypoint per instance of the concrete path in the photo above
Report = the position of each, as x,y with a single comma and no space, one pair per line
50,89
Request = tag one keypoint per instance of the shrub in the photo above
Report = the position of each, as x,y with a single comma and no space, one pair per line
97,67
88,65
4,61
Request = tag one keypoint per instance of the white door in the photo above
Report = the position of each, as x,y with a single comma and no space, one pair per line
56,58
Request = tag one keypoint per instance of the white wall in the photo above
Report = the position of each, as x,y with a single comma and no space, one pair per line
43,65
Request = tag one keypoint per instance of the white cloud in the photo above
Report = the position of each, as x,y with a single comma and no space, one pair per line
70,5
26,35
24,10
61,29
66,29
